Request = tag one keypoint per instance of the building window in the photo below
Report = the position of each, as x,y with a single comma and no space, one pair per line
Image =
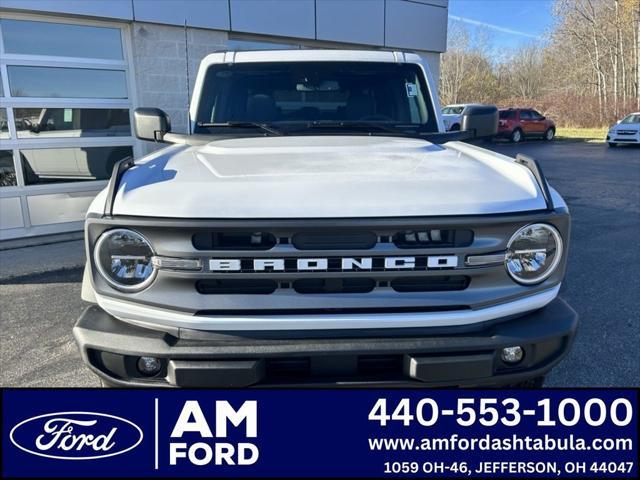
71,122
61,39
54,165
66,82
4,123
7,170
65,116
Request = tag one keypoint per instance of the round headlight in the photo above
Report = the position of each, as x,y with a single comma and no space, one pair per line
123,258
533,253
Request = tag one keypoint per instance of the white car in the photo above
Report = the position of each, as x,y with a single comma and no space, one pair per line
320,227
452,115
626,130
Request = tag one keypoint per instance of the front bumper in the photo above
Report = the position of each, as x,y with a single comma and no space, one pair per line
111,349
614,137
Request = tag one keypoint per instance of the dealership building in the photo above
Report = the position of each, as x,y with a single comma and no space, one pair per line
72,71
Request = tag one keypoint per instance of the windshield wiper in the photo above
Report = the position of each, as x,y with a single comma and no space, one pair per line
354,124
261,126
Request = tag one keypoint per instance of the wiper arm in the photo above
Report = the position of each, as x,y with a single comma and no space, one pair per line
261,126
355,124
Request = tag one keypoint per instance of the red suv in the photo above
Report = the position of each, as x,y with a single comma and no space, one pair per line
516,124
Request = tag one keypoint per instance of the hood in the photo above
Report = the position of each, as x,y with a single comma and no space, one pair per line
625,126
325,177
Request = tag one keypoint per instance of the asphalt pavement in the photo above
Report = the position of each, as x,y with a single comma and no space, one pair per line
601,186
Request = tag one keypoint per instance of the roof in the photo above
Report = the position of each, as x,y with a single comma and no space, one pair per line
311,55
465,105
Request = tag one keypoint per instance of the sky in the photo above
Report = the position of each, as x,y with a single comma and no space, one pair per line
506,23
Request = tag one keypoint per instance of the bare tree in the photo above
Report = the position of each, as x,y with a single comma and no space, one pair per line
585,73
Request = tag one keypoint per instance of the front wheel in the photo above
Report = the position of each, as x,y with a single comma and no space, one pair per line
613,145
549,134
516,136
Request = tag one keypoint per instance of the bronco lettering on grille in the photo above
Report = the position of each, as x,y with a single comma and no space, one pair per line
343,264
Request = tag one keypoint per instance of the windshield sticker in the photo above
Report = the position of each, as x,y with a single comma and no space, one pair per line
412,89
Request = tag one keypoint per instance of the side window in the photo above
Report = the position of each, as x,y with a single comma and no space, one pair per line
525,114
535,115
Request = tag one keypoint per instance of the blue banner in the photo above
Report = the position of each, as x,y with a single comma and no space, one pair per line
320,433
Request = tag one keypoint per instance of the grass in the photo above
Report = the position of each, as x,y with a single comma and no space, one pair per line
590,135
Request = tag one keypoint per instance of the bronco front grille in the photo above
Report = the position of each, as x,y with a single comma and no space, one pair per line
319,266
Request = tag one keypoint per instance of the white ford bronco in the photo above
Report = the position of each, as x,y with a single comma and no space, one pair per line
318,226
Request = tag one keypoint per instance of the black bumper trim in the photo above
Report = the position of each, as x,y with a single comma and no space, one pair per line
547,334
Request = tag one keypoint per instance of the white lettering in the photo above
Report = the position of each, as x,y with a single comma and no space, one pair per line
271,264
175,454
400,262
248,411
60,435
224,265
200,425
352,263
313,264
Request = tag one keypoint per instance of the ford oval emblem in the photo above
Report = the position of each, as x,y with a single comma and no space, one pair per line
76,435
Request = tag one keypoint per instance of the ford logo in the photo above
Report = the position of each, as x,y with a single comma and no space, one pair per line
76,435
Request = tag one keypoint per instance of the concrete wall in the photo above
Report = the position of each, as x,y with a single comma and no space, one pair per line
160,65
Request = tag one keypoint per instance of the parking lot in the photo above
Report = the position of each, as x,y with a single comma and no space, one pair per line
600,184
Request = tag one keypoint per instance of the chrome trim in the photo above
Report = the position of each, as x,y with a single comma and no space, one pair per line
483,260
137,313
556,260
177,263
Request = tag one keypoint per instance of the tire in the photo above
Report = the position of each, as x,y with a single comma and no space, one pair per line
549,134
516,136
455,128
613,145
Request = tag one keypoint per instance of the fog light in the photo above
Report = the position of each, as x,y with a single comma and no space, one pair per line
512,354
149,366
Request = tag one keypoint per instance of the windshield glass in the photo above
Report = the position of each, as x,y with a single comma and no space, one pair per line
633,118
452,110
356,94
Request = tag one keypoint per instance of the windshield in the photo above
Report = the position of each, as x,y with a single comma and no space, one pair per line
311,94
452,110
633,118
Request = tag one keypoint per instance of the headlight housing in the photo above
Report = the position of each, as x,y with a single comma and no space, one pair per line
533,253
123,258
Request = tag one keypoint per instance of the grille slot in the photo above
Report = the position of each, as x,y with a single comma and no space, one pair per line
234,241
334,241
430,284
433,238
346,368
334,285
238,286
379,365
288,368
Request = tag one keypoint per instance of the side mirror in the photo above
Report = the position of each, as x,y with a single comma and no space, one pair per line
618,122
151,124
31,126
543,117
482,120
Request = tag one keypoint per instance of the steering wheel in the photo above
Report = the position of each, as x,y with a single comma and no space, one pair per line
377,116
